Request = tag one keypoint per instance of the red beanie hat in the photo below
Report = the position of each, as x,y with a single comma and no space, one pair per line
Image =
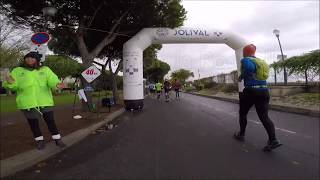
249,50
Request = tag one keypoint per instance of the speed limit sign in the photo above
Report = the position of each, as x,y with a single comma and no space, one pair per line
91,73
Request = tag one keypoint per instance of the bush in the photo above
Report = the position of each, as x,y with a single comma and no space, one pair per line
189,88
199,86
229,88
208,85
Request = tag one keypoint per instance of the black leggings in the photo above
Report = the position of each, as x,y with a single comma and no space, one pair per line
33,115
260,98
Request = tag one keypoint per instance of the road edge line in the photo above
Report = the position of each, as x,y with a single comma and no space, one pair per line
281,108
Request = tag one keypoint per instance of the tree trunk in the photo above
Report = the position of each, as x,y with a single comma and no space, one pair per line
306,75
275,76
114,83
86,106
114,88
87,57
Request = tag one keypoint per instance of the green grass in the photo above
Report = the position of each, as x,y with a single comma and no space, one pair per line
311,98
207,92
212,91
64,99
8,103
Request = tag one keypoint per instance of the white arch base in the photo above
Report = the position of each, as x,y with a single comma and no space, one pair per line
133,54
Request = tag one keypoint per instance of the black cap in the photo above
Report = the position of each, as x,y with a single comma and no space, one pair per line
33,54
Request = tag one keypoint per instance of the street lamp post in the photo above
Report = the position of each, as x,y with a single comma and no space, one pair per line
277,33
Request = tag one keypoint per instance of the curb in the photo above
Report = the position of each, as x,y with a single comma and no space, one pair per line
27,159
289,109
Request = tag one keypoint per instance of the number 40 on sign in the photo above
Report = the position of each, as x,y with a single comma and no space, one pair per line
91,73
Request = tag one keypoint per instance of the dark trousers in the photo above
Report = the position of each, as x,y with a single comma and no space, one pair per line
259,98
33,117
177,93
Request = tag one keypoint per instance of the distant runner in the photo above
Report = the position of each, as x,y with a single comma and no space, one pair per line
176,87
167,87
158,89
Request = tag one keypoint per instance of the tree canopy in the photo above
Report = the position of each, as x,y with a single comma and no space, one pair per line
94,29
182,75
12,42
9,57
90,28
154,69
306,65
63,66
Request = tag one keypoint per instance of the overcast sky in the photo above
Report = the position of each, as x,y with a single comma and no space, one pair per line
298,22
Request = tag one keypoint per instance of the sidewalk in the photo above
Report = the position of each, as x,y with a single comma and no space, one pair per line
279,104
16,136
25,155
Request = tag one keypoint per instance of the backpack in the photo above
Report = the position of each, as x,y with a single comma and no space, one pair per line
262,69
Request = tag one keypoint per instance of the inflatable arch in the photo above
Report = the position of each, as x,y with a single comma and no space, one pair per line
133,54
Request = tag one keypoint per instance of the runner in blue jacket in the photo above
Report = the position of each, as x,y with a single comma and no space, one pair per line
255,93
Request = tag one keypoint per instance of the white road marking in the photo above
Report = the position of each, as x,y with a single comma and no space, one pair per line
292,132
235,114
256,122
280,129
295,163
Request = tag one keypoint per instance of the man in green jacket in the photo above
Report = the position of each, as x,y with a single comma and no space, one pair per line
33,84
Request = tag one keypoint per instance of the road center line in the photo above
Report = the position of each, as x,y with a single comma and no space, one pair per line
284,130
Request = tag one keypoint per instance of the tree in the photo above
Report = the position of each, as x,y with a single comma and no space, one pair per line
182,75
9,57
276,68
90,28
306,65
72,27
12,41
156,71
63,66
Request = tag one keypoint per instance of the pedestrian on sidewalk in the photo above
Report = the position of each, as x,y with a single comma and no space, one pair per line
254,72
33,84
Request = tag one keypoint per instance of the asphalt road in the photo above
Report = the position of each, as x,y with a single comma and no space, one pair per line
189,138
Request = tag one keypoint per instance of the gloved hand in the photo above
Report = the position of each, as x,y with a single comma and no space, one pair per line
10,79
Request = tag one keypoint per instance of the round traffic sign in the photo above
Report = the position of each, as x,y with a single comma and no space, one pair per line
40,38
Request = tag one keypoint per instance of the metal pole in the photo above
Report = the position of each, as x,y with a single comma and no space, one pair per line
284,67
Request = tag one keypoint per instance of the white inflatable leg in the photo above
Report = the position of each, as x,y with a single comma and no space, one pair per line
238,58
133,78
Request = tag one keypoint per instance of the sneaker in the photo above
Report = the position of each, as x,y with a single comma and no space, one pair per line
40,144
238,136
60,143
272,145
